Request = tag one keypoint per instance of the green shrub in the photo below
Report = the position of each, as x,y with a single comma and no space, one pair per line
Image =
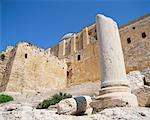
2,57
5,98
54,100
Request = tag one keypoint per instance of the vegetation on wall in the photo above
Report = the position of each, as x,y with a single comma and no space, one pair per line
5,98
2,57
54,100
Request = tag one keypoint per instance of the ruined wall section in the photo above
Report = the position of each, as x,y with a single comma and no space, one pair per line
5,67
3,64
83,63
135,39
83,66
75,43
36,69
81,54
82,57
15,72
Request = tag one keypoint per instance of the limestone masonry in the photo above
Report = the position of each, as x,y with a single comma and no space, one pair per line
27,67
73,61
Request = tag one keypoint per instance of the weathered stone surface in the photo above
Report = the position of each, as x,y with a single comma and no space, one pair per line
123,113
143,95
146,73
114,99
111,56
75,106
32,68
138,88
135,79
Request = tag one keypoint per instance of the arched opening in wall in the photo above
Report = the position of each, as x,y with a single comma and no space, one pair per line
128,40
133,28
26,55
79,57
143,35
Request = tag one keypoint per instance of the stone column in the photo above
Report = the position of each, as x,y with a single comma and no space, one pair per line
115,90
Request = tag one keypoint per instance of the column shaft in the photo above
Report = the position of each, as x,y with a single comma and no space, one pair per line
111,55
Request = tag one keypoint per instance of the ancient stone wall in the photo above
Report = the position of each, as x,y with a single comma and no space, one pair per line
83,57
35,69
135,39
28,67
5,67
54,50
83,66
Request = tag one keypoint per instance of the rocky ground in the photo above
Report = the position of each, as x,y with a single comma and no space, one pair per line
30,97
24,105
26,112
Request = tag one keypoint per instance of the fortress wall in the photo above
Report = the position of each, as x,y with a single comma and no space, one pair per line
136,53
135,39
76,43
83,46
84,68
35,69
28,67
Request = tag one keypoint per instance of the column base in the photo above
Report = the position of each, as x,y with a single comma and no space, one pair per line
115,99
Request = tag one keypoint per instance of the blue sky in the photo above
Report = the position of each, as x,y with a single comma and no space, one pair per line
44,22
